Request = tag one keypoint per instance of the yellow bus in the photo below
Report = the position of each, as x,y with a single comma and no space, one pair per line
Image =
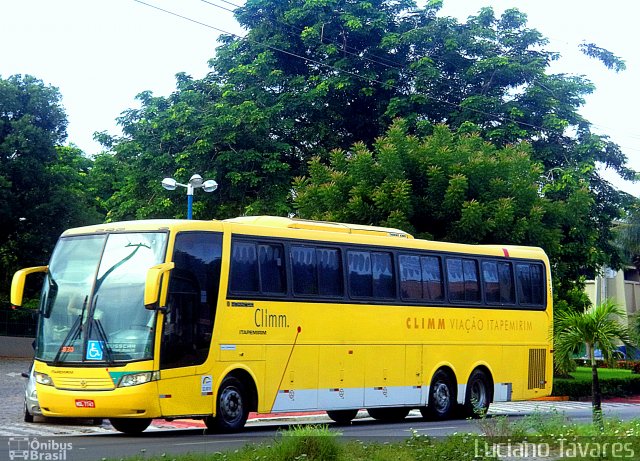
215,319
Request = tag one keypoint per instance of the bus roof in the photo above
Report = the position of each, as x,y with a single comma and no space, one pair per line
317,229
327,226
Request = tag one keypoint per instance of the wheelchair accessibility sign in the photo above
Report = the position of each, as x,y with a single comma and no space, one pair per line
95,350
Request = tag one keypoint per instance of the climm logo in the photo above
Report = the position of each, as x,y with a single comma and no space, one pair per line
422,323
262,318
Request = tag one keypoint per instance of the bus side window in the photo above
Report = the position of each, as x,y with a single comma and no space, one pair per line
455,279
272,273
411,286
330,278
304,269
463,280
384,285
530,284
192,299
244,268
432,286
498,282
471,280
537,284
360,276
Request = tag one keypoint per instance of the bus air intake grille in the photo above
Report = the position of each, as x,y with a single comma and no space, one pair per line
85,384
537,371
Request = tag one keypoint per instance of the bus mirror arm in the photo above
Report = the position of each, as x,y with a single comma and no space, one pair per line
18,282
152,284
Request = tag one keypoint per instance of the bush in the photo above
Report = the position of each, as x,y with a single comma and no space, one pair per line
610,387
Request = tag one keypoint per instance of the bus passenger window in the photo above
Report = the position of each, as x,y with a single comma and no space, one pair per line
329,272
455,279
537,284
498,282
272,274
303,265
432,287
384,285
471,280
507,287
530,284
360,277
244,268
410,277
462,279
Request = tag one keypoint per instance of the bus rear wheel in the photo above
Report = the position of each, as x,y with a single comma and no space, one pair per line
479,394
130,425
342,416
232,407
442,397
388,414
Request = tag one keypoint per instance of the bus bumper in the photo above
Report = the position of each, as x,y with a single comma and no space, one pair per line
127,402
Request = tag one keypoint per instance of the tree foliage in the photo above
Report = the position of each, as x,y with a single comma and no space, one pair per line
317,84
456,186
42,185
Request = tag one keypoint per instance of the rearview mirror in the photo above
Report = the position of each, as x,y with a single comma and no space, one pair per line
152,284
18,282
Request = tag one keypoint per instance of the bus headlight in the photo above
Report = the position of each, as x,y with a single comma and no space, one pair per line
43,378
137,378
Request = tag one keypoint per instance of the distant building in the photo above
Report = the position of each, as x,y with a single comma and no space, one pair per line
622,287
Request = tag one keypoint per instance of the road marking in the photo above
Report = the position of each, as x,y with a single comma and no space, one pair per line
213,441
437,428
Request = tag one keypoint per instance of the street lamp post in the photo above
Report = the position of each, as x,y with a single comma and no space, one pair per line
194,183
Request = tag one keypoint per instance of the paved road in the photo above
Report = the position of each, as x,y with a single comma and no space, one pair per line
12,423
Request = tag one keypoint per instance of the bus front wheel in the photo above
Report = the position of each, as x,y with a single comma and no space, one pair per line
232,407
130,425
342,416
442,397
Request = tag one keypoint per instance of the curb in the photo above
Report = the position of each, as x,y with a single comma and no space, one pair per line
253,418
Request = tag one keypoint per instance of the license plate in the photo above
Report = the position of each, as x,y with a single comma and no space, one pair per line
85,403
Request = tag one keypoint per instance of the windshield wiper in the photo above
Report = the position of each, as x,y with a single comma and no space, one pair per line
73,334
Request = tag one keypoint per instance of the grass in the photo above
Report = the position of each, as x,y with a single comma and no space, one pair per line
584,373
552,432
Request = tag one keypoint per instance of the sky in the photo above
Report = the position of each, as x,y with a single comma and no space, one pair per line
102,53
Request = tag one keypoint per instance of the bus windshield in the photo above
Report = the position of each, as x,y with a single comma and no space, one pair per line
92,306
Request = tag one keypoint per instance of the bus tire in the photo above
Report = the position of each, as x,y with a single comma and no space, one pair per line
442,397
28,417
479,394
232,407
394,414
342,416
130,425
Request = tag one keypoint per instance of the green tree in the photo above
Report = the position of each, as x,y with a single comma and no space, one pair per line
194,131
454,187
41,184
310,77
598,328
627,235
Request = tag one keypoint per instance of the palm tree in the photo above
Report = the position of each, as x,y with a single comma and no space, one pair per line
598,328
